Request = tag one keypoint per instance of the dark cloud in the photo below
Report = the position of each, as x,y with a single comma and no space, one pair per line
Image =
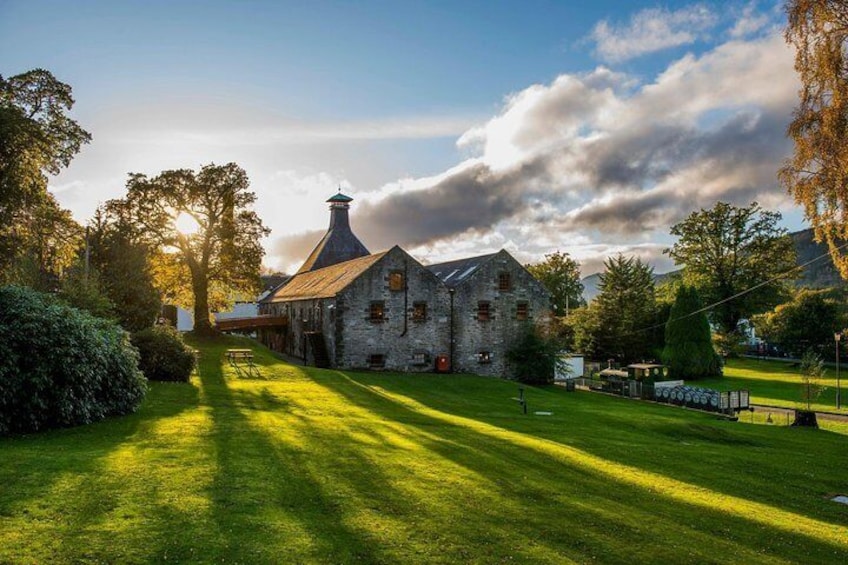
736,163
632,158
291,249
473,199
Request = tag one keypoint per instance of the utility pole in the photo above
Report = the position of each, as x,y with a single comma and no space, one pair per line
837,337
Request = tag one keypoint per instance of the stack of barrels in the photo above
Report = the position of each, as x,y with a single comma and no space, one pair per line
690,396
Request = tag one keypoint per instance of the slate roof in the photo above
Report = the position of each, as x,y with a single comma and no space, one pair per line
454,273
268,293
326,282
337,245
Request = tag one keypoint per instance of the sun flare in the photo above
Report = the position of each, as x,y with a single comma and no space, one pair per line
186,224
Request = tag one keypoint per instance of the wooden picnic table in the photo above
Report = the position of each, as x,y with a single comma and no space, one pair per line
234,355
245,355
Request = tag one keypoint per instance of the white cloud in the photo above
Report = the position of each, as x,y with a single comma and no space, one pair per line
750,21
598,157
652,30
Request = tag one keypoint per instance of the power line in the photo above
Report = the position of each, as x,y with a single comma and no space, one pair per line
742,293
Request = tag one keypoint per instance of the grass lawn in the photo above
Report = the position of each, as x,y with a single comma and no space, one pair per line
309,465
777,384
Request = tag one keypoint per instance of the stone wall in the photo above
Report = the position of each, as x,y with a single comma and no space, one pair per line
481,345
314,315
406,344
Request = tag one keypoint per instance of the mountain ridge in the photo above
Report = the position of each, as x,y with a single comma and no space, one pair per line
821,274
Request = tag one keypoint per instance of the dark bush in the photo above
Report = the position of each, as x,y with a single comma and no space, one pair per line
60,366
164,354
534,358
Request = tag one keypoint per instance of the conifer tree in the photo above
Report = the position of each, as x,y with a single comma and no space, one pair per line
689,352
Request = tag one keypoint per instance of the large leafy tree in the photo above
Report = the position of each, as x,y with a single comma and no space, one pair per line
807,322
40,245
222,248
688,350
731,255
37,137
121,270
560,274
584,326
625,310
817,173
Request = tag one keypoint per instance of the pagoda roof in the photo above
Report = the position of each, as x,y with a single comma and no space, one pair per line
339,197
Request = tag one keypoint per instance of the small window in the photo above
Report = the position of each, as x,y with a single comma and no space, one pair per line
484,357
377,312
420,358
396,281
483,311
504,282
419,311
522,311
376,361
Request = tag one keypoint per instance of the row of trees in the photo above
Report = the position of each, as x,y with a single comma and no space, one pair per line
736,259
131,254
739,261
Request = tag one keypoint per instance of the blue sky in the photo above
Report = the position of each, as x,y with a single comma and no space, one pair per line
458,127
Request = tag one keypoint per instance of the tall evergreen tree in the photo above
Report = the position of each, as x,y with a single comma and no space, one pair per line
125,275
626,309
688,351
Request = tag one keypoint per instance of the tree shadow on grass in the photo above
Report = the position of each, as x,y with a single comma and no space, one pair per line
61,489
737,459
266,502
601,517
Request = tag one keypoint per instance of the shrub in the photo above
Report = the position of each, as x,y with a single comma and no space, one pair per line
60,366
812,373
164,354
534,358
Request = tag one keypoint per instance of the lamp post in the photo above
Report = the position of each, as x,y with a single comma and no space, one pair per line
837,337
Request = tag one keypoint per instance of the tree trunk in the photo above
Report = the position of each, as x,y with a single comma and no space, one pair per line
200,286
805,418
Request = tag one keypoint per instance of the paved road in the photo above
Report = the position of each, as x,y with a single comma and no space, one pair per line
782,411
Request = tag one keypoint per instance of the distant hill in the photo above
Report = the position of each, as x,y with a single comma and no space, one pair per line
821,274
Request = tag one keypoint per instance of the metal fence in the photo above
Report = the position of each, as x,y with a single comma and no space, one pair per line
681,395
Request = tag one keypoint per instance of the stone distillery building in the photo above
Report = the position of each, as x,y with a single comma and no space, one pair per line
348,308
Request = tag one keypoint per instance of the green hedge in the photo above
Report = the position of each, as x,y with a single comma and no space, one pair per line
164,354
61,367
